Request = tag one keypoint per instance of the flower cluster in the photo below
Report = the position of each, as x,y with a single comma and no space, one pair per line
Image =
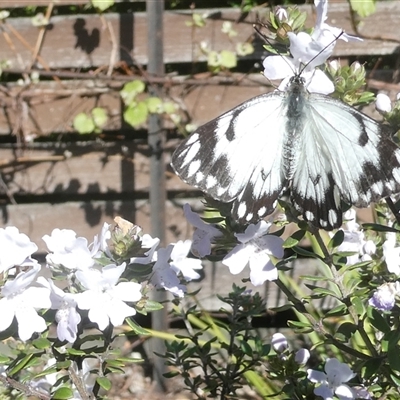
100,278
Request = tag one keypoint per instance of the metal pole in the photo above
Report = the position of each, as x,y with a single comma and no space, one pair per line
156,139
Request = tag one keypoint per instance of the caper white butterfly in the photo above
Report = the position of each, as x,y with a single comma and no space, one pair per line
320,148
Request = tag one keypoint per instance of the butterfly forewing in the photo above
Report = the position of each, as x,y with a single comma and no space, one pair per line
236,157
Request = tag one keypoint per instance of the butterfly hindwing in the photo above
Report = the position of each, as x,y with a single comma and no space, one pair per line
237,157
353,159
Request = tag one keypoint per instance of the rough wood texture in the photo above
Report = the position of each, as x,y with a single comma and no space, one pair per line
44,3
79,169
87,218
84,41
48,107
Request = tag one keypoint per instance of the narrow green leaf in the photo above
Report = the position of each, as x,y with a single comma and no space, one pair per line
394,359
75,352
19,365
339,310
136,328
379,228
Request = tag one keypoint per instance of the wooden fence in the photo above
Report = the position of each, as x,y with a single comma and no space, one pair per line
83,61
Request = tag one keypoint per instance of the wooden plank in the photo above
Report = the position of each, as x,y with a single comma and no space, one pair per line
87,218
44,3
47,107
78,169
82,41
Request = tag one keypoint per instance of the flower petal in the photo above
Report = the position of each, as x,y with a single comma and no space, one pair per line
238,258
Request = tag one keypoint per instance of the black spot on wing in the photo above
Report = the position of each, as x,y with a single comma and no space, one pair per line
321,212
246,209
380,173
363,139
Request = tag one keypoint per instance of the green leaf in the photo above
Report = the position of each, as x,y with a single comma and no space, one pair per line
136,328
371,367
136,115
84,124
294,239
347,329
75,352
228,59
102,5
154,105
363,8
304,252
42,343
337,240
169,107
379,228
103,382
341,309
213,59
63,393
358,305
131,90
100,116
244,49
377,320
152,305
19,364
394,359
395,379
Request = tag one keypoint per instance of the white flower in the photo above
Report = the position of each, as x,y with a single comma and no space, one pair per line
67,317
281,14
332,382
147,242
68,251
383,103
391,254
105,298
164,276
203,235
279,342
384,297
354,241
308,52
16,249
181,263
302,356
100,242
255,249
20,300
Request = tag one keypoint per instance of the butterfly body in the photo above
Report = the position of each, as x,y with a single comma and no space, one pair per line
324,150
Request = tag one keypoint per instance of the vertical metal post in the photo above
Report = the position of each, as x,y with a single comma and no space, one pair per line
156,139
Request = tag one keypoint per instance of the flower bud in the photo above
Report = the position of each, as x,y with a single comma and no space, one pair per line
383,103
302,356
279,342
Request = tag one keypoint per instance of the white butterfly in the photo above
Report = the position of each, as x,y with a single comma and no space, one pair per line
320,148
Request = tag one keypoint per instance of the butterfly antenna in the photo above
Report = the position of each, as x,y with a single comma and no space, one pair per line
317,55
268,41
